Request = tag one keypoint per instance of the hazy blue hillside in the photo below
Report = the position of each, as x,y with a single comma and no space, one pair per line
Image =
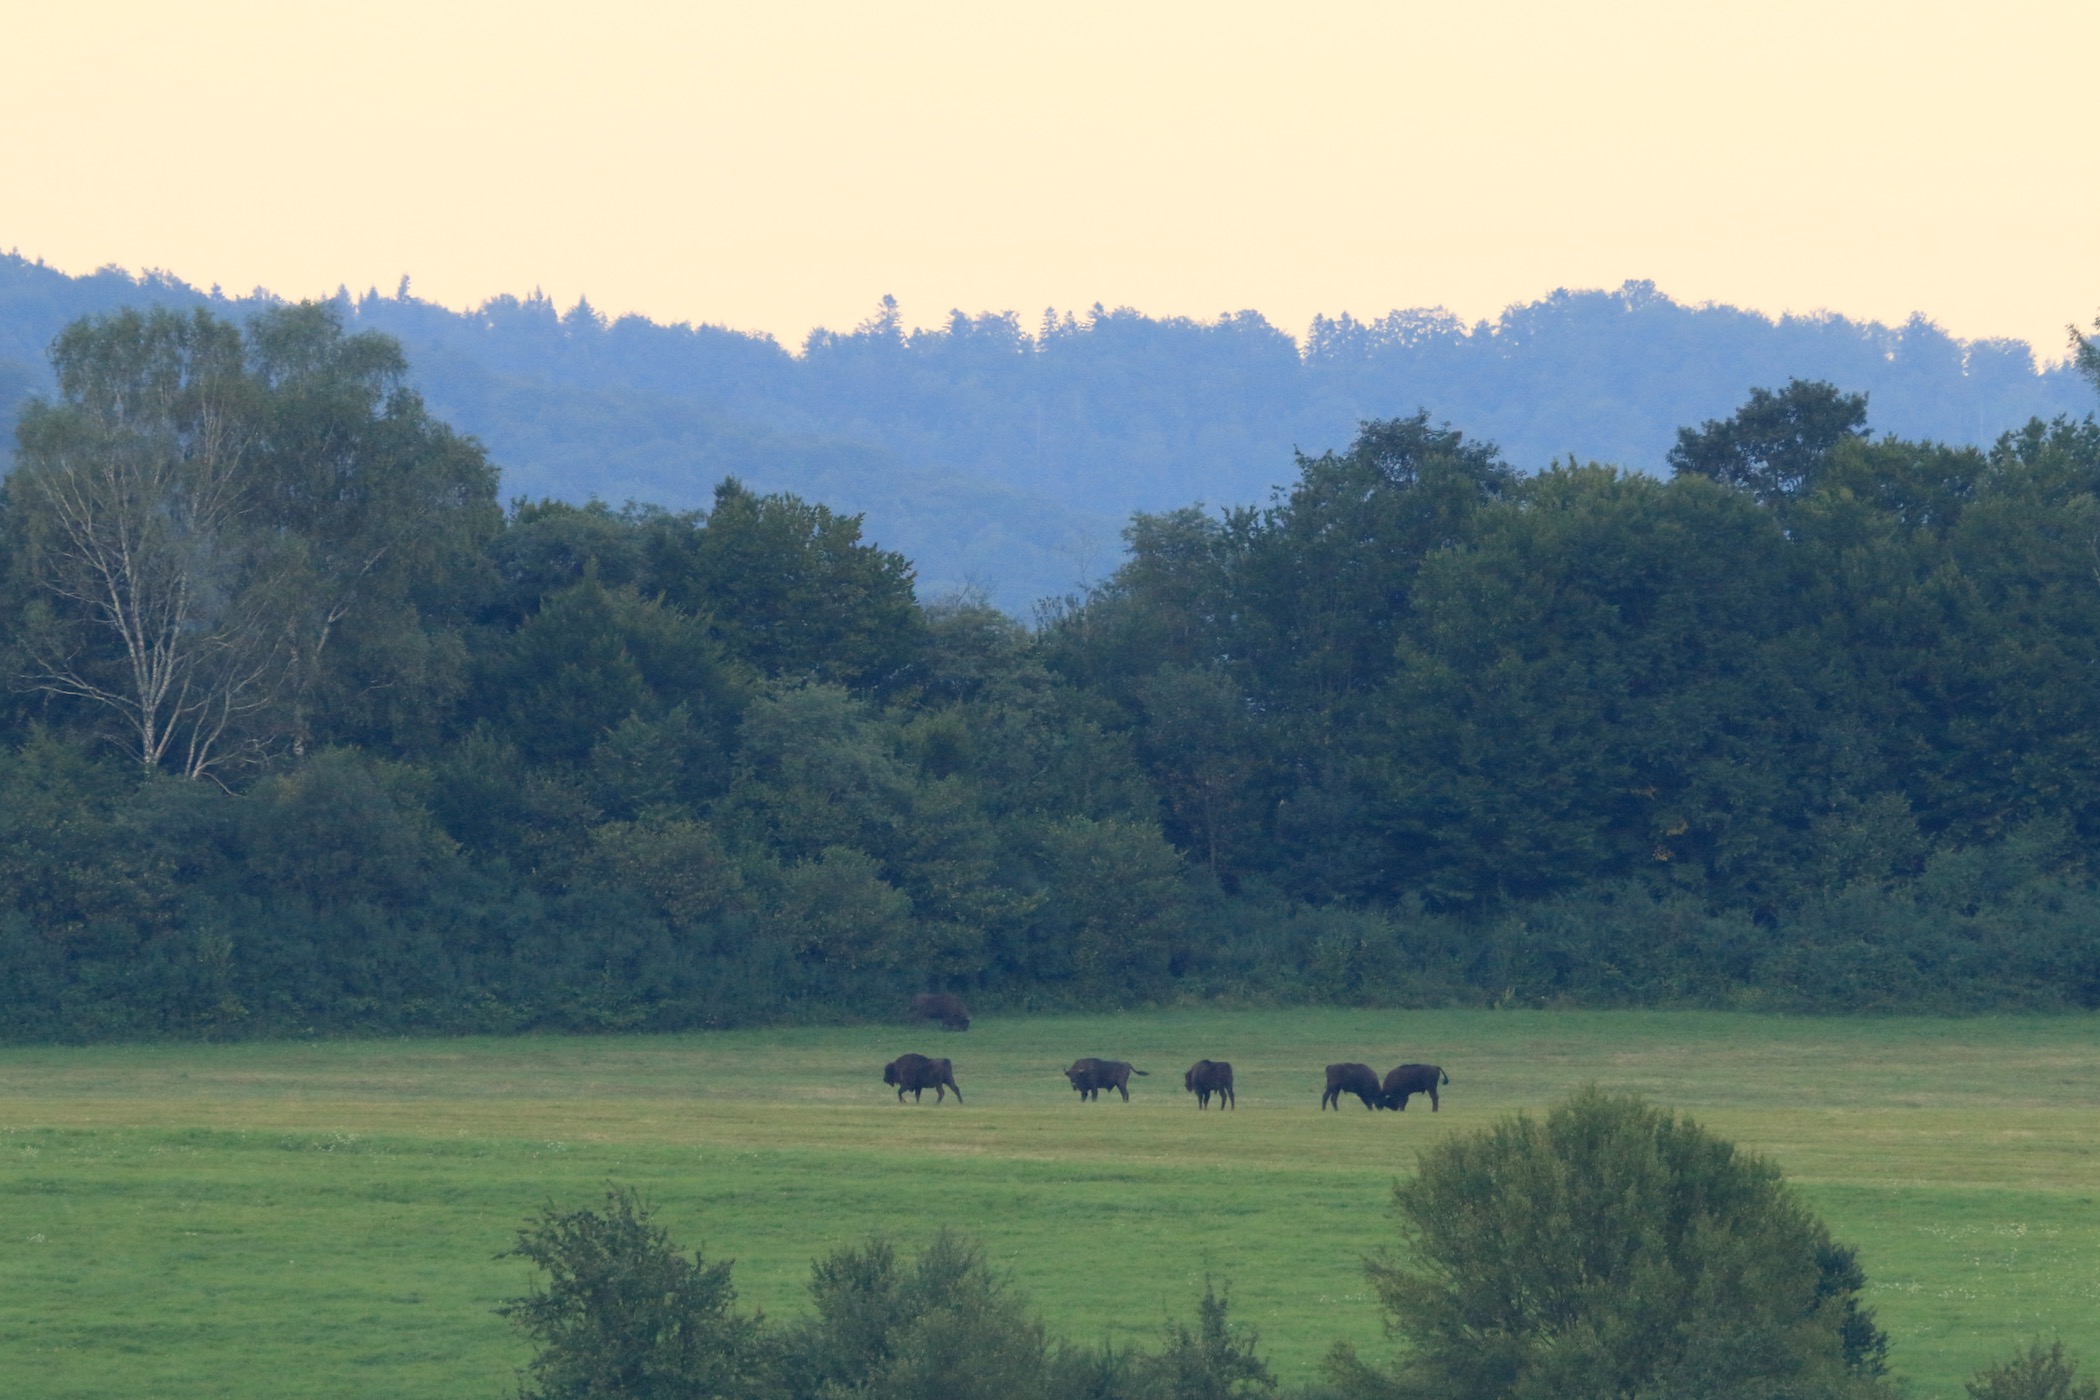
1007,456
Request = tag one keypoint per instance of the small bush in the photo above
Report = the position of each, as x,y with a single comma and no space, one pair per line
1613,1250
2039,1373
624,1316
1213,1362
944,1327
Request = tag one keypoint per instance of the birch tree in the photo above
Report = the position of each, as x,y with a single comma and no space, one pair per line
129,502
202,513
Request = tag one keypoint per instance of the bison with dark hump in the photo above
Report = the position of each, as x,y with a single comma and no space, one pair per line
1207,1077
1360,1080
1090,1076
919,1073
1411,1079
940,1006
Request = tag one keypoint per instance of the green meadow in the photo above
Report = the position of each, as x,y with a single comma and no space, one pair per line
326,1219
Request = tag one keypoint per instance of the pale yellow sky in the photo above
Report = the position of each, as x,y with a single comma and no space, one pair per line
779,165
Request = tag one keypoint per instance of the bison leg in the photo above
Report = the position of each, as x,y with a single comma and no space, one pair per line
1432,1098
1124,1090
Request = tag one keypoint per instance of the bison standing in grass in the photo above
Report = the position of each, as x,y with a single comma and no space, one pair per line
1360,1080
940,1006
1207,1077
1090,1076
918,1073
1411,1079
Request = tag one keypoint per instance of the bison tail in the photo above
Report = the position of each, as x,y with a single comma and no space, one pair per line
1446,1078
1141,1071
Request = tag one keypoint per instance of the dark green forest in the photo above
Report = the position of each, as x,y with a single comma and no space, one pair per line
307,732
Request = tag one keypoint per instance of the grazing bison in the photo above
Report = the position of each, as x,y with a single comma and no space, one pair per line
918,1074
939,1006
1207,1077
1360,1080
1090,1076
1412,1079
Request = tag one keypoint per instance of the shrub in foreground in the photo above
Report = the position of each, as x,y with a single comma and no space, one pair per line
943,1327
623,1315
2038,1373
1613,1250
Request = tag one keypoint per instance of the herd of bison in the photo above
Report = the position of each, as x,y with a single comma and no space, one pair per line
915,1074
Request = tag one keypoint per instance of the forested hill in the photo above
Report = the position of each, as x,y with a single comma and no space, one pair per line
1009,454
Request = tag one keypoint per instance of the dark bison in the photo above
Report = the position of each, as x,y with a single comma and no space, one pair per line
1412,1079
1360,1080
1090,1076
1207,1077
939,1006
918,1074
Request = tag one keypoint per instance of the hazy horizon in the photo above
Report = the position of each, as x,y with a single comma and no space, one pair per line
2047,355
779,168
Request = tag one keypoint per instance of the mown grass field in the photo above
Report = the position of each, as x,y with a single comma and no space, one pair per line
324,1219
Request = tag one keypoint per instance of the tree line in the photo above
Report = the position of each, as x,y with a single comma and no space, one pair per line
305,731
1009,448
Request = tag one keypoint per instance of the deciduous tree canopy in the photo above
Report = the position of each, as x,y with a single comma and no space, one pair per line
1810,724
